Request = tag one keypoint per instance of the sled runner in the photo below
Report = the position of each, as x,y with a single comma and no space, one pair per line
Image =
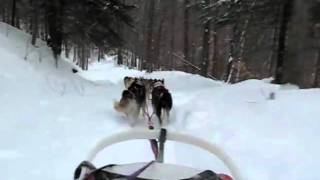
156,169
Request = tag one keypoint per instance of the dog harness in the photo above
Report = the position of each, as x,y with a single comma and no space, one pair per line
158,84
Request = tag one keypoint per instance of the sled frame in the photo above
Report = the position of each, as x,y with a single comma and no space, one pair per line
135,134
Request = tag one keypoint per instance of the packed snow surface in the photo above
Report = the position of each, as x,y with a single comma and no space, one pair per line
50,118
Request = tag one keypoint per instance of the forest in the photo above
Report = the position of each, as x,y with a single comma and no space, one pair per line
228,40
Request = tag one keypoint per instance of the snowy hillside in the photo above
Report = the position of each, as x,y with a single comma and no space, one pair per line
50,118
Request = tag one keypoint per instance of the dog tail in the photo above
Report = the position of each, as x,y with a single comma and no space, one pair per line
164,107
158,113
166,100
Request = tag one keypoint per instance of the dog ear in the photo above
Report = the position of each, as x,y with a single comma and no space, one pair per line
162,80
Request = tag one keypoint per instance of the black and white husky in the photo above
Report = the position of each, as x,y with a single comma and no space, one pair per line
161,102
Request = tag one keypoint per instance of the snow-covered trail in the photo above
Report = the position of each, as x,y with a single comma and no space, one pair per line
50,118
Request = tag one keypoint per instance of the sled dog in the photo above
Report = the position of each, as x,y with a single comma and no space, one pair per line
161,102
132,99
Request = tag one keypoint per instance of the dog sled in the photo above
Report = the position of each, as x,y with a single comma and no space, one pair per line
156,169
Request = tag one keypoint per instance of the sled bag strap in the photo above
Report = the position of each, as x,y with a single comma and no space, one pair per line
205,175
134,175
103,174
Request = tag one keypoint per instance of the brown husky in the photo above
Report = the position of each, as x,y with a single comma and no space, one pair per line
132,99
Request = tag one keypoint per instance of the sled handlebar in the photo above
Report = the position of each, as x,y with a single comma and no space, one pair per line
173,136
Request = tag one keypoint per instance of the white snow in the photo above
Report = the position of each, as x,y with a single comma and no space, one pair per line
50,118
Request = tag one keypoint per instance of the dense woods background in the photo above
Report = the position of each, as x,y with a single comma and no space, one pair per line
230,40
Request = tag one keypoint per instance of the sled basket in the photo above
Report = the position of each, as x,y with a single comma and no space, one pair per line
154,169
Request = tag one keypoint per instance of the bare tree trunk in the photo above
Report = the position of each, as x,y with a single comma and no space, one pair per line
13,13
120,48
141,48
17,21
79,55
205,45
230,69
54,14
75,54
82,57
99,54
119,55
7,15
42,33
134,61
86,59
317,73
228,73
186,31
157,47
275,43
67,49
35,28
125,60
242,46
150,44
172,31
286,15
3,13
215,52
46,25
